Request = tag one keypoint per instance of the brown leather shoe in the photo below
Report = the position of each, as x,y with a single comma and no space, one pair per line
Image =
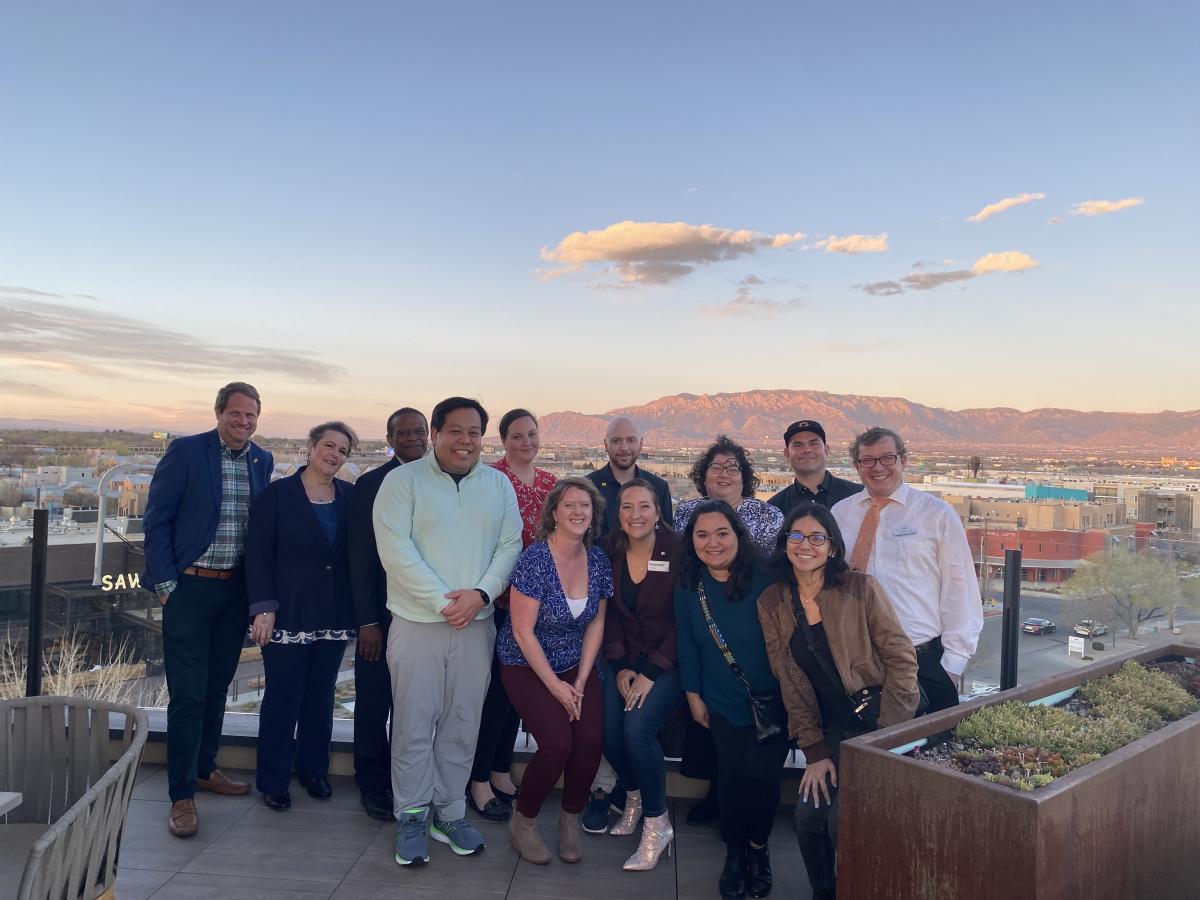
183,821
220,783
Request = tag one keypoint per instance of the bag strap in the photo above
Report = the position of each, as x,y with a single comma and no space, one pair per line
715,633
803,624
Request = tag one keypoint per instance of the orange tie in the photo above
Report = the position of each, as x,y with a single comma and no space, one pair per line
866,536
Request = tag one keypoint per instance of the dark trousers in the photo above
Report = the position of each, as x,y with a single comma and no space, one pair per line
816,827
566,748
699,754
295,722
204,627
934,679
498,724
748,776
372,707
631,738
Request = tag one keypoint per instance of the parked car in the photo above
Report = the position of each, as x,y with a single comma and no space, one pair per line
1090,628
1038,626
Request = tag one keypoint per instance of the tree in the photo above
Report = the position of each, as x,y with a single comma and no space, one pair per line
79,497
1122,587
975,463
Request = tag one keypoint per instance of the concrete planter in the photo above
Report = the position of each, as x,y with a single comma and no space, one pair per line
1126,826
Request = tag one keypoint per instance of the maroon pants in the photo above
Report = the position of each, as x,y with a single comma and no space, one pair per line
566,748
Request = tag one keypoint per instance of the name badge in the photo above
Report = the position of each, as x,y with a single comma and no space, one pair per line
902,530
659,565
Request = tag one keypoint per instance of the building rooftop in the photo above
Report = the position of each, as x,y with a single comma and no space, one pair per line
331,849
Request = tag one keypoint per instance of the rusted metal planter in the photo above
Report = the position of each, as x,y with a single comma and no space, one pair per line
1126,826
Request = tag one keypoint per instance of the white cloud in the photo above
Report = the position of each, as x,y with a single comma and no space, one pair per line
1104,207
1001,205
855,243
1006,261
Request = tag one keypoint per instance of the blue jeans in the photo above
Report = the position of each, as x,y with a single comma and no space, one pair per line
631,738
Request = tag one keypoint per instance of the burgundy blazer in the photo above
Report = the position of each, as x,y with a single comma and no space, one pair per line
648,634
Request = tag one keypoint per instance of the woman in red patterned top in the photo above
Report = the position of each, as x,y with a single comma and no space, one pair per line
491,792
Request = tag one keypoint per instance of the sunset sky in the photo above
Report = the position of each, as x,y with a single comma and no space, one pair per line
357,206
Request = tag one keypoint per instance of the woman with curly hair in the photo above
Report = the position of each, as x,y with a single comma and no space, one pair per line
725,472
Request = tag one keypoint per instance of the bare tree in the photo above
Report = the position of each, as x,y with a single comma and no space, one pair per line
1122,587
975,463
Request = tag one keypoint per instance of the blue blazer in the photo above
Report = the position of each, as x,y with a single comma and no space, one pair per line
184,505
291,569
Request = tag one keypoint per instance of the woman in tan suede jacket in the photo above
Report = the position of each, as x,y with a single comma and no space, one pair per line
852,641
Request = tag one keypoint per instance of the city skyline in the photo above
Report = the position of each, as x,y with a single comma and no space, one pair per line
355,209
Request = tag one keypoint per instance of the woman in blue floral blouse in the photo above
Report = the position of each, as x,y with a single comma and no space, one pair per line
548,649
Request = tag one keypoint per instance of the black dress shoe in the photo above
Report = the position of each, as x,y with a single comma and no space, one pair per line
733,876
379,805
505,797
758,871
318,788
280,802
495,810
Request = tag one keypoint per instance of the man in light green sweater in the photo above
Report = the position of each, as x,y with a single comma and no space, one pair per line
448,533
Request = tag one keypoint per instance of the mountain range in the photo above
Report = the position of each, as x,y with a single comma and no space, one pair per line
759,418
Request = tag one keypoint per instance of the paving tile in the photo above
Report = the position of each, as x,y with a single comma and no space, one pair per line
405,891
305,846
147,844
224,887
145,770
138,884
488,872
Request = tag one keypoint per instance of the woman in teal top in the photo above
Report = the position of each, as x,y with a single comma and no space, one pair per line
717,561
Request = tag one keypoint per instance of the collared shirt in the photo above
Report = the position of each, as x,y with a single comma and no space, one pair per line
831,490
922,559
229,542
762,520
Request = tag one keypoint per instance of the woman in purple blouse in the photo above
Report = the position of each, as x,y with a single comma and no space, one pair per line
547,650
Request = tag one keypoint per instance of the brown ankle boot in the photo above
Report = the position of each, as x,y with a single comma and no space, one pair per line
526,840
570,845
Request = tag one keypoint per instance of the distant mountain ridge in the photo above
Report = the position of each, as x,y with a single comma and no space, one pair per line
758,419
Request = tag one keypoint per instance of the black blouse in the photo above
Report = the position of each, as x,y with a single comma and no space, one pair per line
827,685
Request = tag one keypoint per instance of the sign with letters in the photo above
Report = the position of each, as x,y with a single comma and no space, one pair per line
1076,645
123,582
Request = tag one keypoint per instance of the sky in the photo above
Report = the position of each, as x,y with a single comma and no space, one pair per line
359,206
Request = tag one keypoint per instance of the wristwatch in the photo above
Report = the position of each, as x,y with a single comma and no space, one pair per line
487,601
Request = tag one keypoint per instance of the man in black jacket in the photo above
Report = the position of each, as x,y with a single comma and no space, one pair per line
805,447
408,436
623,443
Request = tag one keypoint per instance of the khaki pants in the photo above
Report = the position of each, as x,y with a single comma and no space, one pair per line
439,677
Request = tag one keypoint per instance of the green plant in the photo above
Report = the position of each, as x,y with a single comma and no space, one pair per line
1136,685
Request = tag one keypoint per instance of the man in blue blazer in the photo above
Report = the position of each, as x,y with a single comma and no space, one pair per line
195,529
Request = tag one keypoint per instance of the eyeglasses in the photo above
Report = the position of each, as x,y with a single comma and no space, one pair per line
799,537
868,462
729,468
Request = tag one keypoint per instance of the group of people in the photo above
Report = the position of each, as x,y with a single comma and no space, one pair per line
591,609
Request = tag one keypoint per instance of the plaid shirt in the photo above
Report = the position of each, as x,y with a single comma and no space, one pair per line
229,543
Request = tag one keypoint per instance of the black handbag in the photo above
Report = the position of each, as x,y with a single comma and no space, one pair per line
767,710
864,704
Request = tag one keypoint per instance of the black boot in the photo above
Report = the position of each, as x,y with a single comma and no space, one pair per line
827,894
733,877
758,871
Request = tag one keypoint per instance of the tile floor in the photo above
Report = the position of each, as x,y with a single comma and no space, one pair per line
331,849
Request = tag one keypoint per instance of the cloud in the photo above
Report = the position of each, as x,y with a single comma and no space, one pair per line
751,279
1006,261
927,281
655,252
881,288
855,243
27,389
743,304
1104,207
1001,205
988,264
88,340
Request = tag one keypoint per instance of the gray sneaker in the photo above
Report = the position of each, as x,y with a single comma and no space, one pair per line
412,838
459,834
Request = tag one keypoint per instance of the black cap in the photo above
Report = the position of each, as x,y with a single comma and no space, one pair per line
804,425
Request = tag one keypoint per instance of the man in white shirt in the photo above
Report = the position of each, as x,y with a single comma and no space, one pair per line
915,546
